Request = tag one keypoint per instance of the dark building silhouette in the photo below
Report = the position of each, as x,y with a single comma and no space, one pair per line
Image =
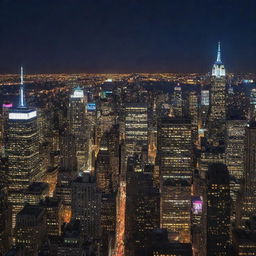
30,229
218,210
142,206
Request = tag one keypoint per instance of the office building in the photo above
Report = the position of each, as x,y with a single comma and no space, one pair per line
136,128
235,158
142,207
103,171
218,89
177,103
85,205
218,210
249,203
53,214
175,149
174,154
194,114
76,116
30,229
22,150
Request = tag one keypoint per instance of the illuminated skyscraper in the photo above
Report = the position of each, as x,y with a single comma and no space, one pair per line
235,154
218,210
177,102
218,100
193,113
22,149
204,106
86,204
136,128
205,98
103,171
175,161
76,115
175,149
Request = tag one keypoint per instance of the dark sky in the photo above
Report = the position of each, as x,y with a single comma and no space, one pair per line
126,35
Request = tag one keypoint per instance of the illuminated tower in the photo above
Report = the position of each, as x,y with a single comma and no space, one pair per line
86,204
77,125
204,106
22,150
218,69
177,102
194,114
136,128
175,162
218,100
235,156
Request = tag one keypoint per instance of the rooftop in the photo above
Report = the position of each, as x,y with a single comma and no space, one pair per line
32,210
37,188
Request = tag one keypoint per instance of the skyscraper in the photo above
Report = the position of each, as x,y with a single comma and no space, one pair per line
175,149
86,205
249,203
142,207
53,210
68,160
177,102
136,128
22,149
204,107
218,210
235,156
194,114
205,97
76,115
175,161
218,101
218,89
30,229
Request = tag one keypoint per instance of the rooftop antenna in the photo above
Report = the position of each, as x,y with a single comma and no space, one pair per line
22,99
218,54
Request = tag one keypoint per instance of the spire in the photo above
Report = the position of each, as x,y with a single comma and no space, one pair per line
218,54
22,99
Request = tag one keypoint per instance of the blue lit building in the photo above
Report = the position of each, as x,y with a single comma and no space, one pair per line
22,149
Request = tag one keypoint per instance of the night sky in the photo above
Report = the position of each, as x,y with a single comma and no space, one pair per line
51,36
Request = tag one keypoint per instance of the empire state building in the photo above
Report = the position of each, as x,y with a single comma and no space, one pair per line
218,89
217,116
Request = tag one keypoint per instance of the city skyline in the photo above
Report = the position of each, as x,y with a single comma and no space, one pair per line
149,150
